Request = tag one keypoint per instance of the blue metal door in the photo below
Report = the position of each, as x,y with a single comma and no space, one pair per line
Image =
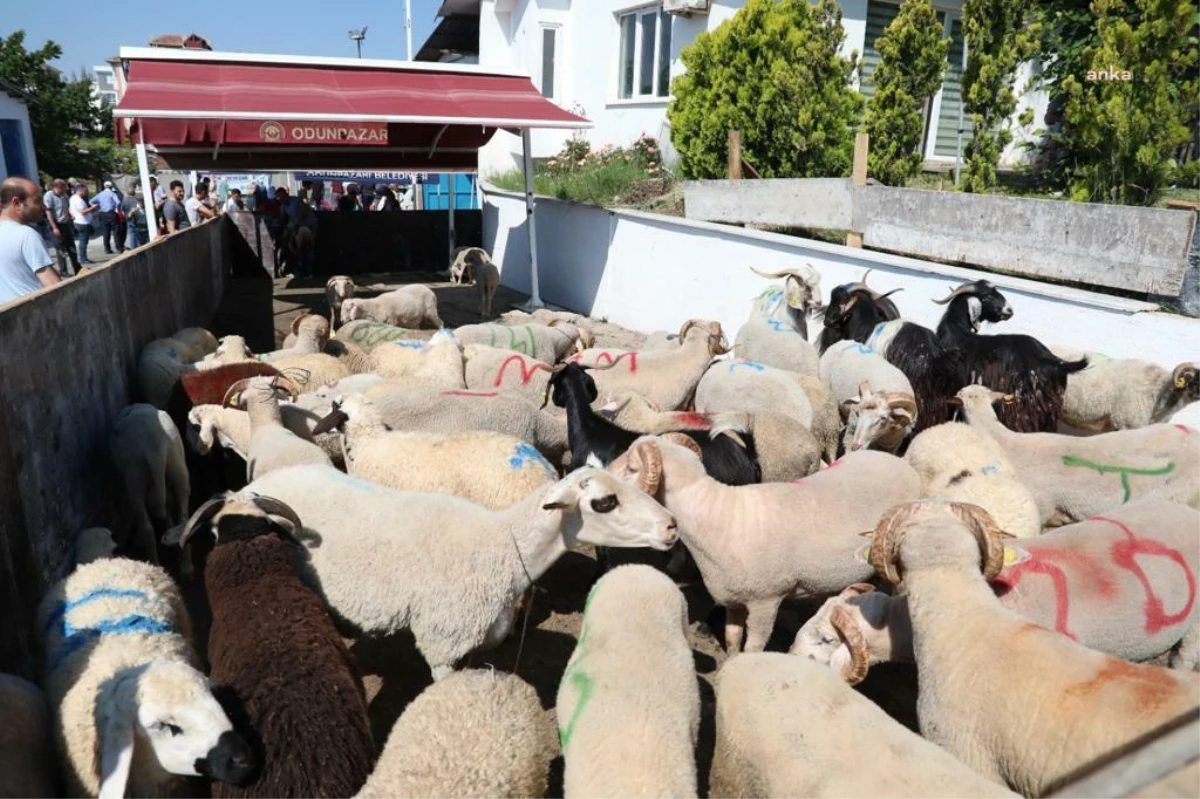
437,193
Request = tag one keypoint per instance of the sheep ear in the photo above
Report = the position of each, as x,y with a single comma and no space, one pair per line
564,495
954,402
116,753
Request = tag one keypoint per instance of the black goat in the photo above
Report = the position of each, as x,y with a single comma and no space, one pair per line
1010,363
858,313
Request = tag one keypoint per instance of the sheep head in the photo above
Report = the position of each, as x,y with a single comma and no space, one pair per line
1186,378
845,297
908,518
94,543
987,303
801,286
979,400
236,394
353,309
833,636
239,517
312,325
610,512
169,705
885,416
231,349
717,343
643,461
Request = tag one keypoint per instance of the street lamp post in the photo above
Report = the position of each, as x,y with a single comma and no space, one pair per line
358,34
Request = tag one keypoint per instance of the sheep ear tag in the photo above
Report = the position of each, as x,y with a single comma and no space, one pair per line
863,553
1014,556
1181,382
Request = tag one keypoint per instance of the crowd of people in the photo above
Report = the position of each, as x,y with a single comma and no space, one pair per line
65,217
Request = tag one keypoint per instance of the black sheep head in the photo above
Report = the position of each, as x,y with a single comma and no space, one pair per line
984,301
239,517
578,376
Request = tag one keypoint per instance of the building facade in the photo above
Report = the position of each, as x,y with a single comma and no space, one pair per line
104,86
17,157
613,60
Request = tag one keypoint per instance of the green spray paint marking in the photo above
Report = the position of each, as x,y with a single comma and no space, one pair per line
1124,471
579,678
529,349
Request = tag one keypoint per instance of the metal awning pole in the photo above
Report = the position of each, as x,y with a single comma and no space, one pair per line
450,205
535,299
147,194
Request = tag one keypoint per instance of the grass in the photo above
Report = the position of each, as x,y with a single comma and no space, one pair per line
600,184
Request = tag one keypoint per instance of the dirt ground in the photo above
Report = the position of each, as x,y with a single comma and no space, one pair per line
394,672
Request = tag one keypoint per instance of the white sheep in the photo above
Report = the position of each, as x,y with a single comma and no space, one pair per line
338,289
756,545
146,450
1053,706
120,669
785,448
367,335
628,703
408,306
407,407
230,349
1125,393
667,378
1074,478
437,363
661,340
491,469
875,397
475,733
777,331
495,369
550,343
313,369
309,335
962,463
27,763
163,361
230,427
1080,580
272,445
738,385
444,567
483,274
787,727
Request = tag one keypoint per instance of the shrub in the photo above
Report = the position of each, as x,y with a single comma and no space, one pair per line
912,58
1000,34
774,73
1119,133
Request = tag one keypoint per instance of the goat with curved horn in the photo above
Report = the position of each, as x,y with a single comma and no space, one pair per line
966,288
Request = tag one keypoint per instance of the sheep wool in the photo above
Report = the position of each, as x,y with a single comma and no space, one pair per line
629,703
789,727
474,734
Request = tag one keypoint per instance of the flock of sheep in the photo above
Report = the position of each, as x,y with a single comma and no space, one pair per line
401,478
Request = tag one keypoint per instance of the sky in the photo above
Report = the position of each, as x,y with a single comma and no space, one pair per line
90,32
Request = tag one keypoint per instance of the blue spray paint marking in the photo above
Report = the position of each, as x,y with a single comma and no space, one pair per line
780,327
875,334
990,468
860,348
410,345
76,638
526,454
91,596
758,367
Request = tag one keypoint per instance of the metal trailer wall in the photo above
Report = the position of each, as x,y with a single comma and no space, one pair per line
67,369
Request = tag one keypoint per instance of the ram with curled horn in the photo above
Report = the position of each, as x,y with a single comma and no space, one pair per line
272,444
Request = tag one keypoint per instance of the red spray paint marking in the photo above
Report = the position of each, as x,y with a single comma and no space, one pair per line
1041,563
526,370
605,358
1184,428
1123,554
693,418
458,392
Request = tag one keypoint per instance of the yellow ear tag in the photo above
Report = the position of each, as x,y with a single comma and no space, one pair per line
1180,382
1015,555
793,303
863,553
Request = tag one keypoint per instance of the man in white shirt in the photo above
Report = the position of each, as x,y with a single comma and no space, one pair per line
25,265
197,206
81,215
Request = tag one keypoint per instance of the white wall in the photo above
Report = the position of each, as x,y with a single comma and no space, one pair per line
652,272
11,108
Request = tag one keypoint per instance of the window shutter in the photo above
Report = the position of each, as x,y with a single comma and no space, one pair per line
879,16
947,124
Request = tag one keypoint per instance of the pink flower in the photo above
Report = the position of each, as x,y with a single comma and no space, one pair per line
627,158
582,161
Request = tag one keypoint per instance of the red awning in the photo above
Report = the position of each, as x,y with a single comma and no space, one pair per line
286,112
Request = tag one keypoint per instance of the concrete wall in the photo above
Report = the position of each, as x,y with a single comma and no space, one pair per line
68,368
1134,249
653,272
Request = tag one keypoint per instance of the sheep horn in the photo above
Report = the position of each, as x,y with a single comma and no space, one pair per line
595,367
650,478
332,421
857,589
898,399
235,390
965,288
283,381
781,273
1183,374
885,544
275,507
296,322
587,339
852,637
987,533
688,325
203,515
684,440
551,369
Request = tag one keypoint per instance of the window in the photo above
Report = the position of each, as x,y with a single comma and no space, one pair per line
12,144
645,54
549,54
941,124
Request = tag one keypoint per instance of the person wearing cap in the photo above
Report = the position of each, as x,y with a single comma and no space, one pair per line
109,202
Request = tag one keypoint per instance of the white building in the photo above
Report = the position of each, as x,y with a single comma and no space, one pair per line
104,86
17,157
614,59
